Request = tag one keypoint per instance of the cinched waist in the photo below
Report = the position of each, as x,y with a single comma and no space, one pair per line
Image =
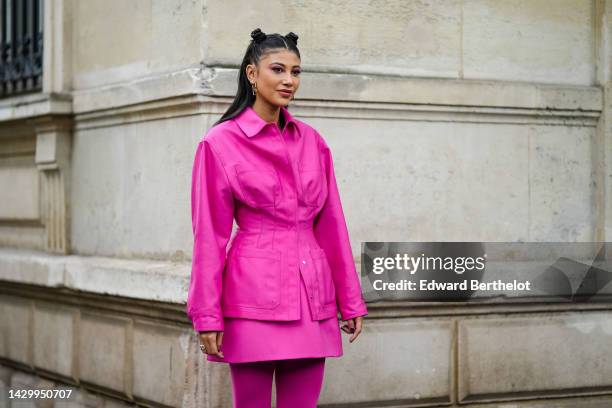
258,226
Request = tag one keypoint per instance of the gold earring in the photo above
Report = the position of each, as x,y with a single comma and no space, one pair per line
254,88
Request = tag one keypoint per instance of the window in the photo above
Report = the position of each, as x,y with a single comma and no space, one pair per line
21,46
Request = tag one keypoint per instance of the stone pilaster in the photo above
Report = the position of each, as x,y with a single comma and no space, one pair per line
53,151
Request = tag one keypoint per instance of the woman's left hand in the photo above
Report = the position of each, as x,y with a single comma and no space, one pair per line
354,326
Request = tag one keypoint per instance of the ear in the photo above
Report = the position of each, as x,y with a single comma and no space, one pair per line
250,72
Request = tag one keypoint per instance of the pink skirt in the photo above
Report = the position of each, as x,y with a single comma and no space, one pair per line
249,340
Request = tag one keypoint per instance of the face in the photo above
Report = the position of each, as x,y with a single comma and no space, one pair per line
277,71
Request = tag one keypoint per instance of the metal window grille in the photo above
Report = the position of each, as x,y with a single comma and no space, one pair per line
21,46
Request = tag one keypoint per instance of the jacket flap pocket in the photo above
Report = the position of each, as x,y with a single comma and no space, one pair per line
259,185
324,276
253,278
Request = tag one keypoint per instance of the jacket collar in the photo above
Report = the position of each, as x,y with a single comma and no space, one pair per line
251,123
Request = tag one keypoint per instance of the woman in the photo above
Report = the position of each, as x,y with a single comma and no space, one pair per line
269,304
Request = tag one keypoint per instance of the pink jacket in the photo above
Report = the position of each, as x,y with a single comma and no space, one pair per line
281,188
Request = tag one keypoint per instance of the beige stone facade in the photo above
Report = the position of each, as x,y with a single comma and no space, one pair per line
450,120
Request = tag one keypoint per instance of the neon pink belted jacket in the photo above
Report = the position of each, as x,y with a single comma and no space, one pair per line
281,188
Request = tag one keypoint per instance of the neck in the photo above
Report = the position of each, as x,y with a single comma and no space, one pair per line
269,113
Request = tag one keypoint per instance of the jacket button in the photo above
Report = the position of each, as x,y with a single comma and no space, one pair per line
304,262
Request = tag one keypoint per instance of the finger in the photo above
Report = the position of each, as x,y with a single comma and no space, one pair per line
358,324
211,348
351,323
219,342
211,345
355,335
202,341
347,328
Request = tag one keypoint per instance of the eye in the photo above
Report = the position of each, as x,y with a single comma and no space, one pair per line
277,69
297,72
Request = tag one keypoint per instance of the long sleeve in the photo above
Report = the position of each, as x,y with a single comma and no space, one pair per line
332,235
212,212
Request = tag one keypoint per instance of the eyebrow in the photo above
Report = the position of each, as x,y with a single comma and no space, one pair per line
280,63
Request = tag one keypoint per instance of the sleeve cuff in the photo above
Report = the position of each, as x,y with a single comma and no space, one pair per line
207,324
353,315
346,315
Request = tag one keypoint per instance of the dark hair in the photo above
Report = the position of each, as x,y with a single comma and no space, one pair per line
261,43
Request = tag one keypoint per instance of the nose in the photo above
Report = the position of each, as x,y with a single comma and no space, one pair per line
288,79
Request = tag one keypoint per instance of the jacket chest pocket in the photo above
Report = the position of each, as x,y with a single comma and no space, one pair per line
314,184
259,187
324,276
253,278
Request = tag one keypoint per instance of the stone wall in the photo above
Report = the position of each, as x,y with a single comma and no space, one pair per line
460,120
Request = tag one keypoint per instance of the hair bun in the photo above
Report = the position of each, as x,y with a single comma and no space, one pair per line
258,36
292,36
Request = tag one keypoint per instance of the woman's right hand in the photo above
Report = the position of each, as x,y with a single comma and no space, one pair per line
212,340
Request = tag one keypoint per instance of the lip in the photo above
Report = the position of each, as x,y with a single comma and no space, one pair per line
285,93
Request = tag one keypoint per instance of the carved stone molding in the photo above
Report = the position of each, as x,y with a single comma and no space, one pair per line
53,153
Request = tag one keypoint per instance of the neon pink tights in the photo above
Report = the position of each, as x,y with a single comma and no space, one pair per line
298,383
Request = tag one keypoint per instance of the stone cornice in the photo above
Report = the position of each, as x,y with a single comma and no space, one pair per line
195,91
